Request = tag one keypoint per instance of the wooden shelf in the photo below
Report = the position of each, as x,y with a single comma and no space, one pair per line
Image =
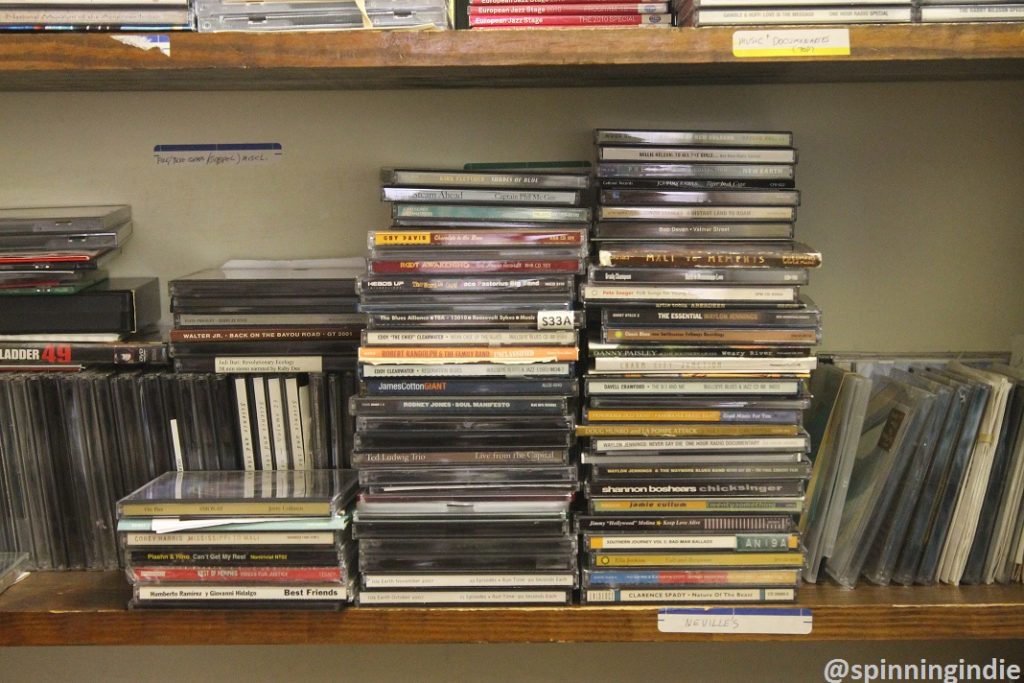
88,608
374,59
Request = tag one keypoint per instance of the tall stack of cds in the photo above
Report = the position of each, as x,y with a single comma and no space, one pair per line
287,333
464,425
699,352
240,539
520,14
761,12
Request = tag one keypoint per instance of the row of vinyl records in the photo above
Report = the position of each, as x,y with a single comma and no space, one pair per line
917,478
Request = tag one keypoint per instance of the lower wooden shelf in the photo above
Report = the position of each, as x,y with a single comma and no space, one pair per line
88,608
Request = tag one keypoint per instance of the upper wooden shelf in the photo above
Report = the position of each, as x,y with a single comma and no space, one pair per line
374,59
88,608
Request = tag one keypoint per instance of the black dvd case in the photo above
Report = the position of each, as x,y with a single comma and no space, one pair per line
119,305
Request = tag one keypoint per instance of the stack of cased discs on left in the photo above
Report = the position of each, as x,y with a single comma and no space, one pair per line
286,332
71,443
464,426
240,539
58,307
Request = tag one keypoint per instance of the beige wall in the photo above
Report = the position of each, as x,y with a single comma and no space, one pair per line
911,191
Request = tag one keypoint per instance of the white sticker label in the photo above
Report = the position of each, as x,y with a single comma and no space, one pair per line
223,154
555,320
791,43
179,461
769,620
268,364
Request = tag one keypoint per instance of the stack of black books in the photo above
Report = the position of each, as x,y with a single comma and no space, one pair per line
240,539
58,308
464,426
699,352
286,333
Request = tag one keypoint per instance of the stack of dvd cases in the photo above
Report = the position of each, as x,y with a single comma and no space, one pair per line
58,309
240,539
768,12
700,347
520,14
464,428
319,15
287,333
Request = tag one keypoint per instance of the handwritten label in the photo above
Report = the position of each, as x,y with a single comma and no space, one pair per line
224,154
771,620
791,43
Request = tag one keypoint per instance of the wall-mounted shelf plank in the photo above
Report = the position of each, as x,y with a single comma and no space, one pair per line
88,608
584,57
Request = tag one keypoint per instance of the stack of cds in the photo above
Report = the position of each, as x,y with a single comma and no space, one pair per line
291,330
94,15
319,15
58,309
700,347
972,10
464,426
240,539
506,14
267,317
767,12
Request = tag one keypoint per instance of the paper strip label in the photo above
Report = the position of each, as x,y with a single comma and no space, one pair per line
223,154
766,620
268,364
791,43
